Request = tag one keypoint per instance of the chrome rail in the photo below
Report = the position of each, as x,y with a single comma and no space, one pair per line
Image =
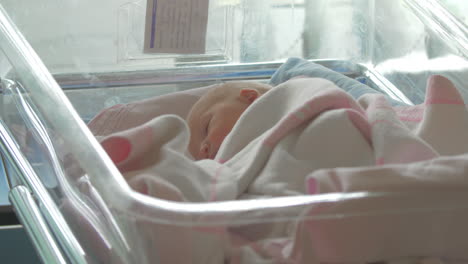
250,71
447,26
35,225
28,179
386,86
221,72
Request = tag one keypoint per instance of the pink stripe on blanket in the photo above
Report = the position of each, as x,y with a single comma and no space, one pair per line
329,100
312,186
384,107
291,121
361,123
222,161
410,113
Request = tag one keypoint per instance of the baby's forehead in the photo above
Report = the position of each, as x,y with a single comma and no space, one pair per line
221,91
236,85
226,91
213,95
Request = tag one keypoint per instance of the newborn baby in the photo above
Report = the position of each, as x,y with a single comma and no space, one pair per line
213,116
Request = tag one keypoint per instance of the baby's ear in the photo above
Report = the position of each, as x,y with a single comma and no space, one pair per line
249,95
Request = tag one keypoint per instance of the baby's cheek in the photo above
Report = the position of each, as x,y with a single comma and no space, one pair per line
217,136
193,146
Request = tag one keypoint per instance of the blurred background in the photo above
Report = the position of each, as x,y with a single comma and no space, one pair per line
81,41
107,35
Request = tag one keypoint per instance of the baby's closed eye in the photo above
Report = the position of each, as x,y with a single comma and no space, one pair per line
207,127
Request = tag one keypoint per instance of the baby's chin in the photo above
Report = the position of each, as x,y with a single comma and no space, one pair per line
213,155
190,152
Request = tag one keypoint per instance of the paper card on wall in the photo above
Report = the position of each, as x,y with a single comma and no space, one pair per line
176,26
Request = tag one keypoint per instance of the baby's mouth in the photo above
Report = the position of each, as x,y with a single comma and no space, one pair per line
212,151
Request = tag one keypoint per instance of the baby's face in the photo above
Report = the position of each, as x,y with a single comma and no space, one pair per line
213,116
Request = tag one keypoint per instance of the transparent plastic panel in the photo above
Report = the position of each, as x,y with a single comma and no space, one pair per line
83,39
458,8
392,37
109,35
417,44
218,48
42,160
114,223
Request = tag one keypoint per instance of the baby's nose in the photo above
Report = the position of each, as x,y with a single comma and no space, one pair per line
204,152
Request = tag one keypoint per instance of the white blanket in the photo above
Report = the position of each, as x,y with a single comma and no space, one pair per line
307,136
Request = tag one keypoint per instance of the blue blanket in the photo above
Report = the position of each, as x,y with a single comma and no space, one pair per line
296,67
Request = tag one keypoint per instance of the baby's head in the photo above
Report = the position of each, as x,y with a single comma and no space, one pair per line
213,116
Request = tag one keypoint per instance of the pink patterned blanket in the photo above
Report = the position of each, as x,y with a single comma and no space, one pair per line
308,137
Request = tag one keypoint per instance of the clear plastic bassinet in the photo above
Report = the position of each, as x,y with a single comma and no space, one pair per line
64,61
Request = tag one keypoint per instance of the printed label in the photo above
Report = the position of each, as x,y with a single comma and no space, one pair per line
176,26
